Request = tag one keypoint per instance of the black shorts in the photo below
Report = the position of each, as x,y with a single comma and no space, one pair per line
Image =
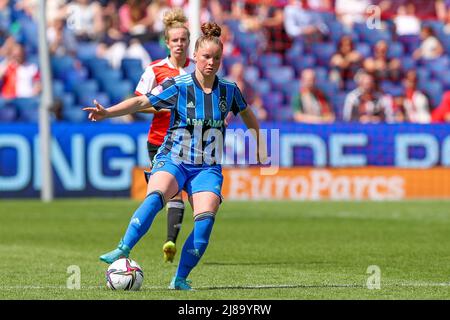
152,150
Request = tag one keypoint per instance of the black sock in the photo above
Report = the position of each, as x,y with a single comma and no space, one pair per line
175,212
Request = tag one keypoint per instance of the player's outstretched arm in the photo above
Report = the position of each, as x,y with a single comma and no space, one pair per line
132,105
250,120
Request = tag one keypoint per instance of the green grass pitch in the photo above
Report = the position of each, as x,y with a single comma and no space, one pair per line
258,250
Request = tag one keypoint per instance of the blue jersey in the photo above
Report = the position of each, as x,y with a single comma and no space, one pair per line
196,134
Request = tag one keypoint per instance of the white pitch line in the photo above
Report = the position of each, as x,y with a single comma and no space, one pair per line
237,287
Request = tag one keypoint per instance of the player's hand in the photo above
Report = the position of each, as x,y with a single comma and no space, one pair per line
96,113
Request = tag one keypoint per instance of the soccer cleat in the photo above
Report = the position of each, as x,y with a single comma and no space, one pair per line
122,251
169,251
180,284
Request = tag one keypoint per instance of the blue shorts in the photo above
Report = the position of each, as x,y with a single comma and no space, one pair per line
191,178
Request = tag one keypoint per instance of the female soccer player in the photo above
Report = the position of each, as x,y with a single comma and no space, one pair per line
177,40
199,103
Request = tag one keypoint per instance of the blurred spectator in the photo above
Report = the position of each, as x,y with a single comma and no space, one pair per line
5,17
303,23
406,22
442,112
85,18
55,10
430,48
442,9
310,104
447,23
236,75
135,19
117,51
349,12
382,67
61,40
345,62
415,103
319,5
156,11
227,38
365,104
19,79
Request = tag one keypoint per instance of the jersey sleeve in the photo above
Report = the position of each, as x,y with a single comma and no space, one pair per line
165,95
146,83
239,104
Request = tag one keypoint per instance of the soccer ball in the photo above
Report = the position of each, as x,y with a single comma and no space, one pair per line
124,274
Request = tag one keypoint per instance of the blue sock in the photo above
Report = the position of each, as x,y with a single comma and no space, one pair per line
195,245
142,218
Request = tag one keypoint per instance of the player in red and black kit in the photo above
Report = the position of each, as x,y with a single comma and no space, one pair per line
177,63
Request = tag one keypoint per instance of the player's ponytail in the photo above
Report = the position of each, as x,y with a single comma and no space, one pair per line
211,33
174,18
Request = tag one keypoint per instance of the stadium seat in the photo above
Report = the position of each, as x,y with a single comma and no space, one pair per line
279,76
67,100
227,62
323,52
61,65
58,88
86,50
392,89
408,63
282,113
85,87
75,114
330,89
118,91
395,50
87,99
8,114
73,77
27,108
108,76
303,62
434,91
262,87
269,60
364,49
294,52
155,50
251,74
131,64
273,100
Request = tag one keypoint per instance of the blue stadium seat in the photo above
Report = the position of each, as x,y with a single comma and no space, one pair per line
131,64
108,76
58,88
279,76
437,65
87,99
118,91
282,113
395,50
67,100
303,62
364,49
330,89
8,114
294,52
392,89
155,50
323,52
433,90
273,100
61,65
251,74
75,114
86,87
262,86
269,60
321,74
73,77
338,105
86,50
227,62
408,63
27,108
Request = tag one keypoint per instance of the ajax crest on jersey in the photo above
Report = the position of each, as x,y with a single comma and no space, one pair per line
222,105
124,274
